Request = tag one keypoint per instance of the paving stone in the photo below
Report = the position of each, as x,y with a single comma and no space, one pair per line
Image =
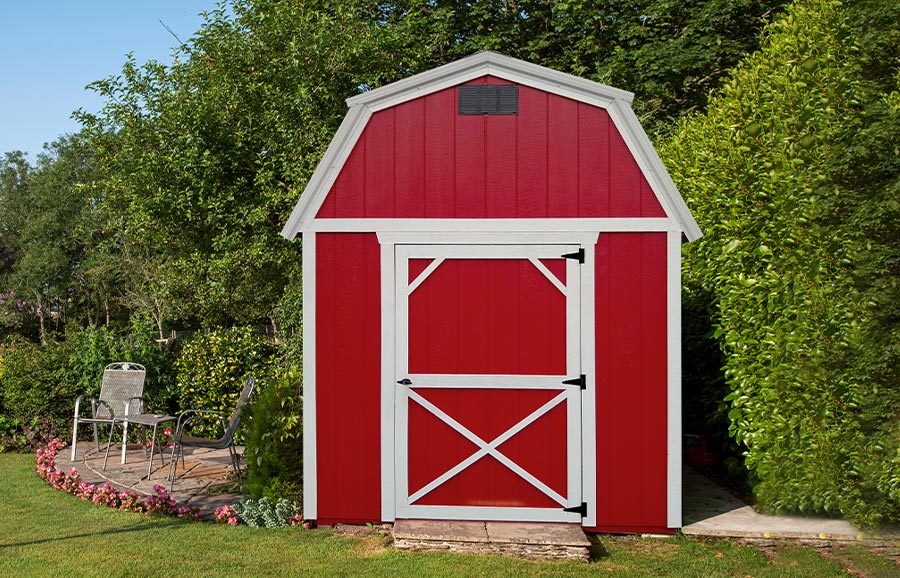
195,485
544,533
441,530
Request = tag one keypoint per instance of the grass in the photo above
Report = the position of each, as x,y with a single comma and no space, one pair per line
44,532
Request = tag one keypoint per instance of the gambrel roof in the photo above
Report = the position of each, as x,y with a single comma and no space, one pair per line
616,102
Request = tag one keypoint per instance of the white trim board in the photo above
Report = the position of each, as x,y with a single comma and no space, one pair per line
310,465
402,245
616,102
673,390
616,225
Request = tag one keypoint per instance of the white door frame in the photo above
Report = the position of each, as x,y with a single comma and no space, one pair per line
393,406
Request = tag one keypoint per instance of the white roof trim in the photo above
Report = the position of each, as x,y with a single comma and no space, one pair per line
616,102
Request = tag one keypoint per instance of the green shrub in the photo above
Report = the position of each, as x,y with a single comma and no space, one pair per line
211,369
264,513
785,252
160,389
275,440
11,436
38,389
93,348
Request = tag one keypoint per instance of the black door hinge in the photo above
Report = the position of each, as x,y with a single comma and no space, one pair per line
580,381
582,509
579,254
405,381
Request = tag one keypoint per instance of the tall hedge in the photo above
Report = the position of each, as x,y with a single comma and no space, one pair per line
212,368
789,313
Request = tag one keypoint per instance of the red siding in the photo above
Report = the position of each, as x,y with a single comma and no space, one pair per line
481,316
556,158
348,377
631,381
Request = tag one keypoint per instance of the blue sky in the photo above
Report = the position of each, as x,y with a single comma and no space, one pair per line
53,48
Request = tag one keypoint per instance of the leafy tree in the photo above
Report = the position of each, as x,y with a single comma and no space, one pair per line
206,157
669,53
40,210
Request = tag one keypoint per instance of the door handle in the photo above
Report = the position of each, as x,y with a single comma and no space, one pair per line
405,381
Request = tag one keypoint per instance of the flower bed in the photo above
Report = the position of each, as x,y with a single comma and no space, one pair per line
107,495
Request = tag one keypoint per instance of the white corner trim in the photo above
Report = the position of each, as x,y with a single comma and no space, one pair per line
494,64
652,167
673,390
589,395
327,171
388,391
310,434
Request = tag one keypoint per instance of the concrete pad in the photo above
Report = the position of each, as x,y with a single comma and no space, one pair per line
709,510
537,533
745,522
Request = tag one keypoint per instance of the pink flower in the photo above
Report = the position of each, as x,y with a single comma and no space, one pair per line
227,515
107,495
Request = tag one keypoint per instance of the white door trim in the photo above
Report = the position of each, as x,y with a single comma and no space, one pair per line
392,408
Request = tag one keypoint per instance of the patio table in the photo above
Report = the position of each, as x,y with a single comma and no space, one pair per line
147,420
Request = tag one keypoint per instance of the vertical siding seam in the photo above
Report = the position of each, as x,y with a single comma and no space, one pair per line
423,178
484,167
578,108
452,186
610,168
365,172
515,168
547,193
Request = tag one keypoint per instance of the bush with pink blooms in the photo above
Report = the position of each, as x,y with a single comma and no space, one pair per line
106,495
227,515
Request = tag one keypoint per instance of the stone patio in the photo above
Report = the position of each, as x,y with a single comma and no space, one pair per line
204,482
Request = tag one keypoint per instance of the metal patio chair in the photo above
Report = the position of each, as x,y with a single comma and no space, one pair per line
120,396
182,441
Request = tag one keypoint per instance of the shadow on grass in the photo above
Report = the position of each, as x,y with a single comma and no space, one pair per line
138,528
596,549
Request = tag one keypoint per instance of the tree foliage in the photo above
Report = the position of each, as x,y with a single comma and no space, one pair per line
42,212
206,157
787,256
670,54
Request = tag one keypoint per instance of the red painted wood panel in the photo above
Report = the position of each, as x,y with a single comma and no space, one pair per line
439,154
562,156
498,316
557,157
487,482
379,185
435,448
348,366
487,316
631,381
531,154
409,160
593,147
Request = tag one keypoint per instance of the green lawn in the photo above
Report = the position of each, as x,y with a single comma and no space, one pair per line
44,532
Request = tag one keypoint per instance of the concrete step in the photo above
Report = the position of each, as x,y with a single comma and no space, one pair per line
518,539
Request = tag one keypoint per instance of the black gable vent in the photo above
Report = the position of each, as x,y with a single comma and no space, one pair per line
488,99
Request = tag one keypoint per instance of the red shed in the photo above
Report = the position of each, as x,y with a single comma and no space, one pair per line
491,258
